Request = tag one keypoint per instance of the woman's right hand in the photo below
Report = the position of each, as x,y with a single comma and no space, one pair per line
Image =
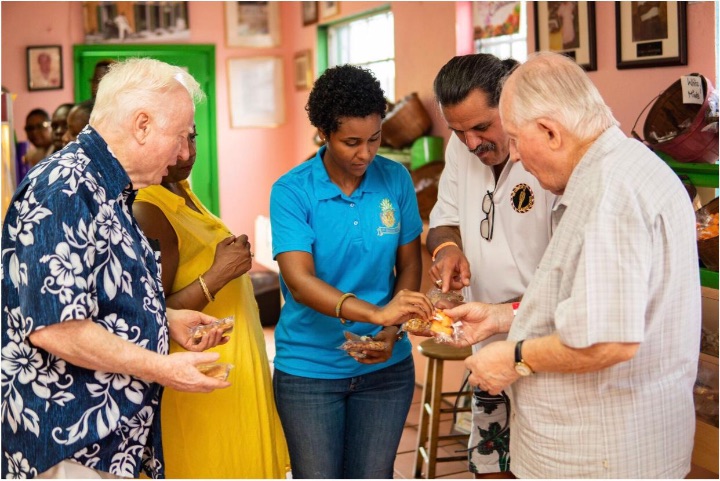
404,306
233,258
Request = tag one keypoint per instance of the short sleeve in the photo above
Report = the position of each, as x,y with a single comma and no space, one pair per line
290,219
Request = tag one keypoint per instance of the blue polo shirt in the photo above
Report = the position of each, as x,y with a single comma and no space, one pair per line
354,242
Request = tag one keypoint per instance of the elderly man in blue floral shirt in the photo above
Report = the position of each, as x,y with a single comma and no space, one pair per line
84,325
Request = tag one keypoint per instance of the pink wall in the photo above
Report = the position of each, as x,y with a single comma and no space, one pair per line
426,37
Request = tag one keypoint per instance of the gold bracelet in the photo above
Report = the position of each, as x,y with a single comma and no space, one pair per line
339,306
444,244
205,289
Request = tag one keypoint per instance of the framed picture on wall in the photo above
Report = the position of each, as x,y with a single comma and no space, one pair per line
329,9
495,19
303,70
44,67
309,12
567,28
252,24
256,92
650,34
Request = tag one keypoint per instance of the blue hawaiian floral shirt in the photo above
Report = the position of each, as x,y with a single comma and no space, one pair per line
72,250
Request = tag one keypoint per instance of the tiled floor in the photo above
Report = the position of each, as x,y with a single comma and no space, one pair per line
405,461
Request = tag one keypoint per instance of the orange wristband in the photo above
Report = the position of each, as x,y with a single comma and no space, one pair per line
444,244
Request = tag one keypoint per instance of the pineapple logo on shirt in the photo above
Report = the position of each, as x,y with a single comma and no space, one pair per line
387,216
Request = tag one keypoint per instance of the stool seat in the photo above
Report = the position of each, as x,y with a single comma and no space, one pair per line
429,425
446,352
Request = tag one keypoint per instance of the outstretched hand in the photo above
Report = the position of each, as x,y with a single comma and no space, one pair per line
480,321
404,306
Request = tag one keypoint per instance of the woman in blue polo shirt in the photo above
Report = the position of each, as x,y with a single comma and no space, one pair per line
346,235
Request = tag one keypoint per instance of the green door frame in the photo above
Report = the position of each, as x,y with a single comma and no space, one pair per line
200,62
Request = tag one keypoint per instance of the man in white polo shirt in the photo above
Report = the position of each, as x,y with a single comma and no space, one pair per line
489,227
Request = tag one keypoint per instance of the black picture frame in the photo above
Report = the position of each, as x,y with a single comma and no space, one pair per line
44,67
662,43
567,28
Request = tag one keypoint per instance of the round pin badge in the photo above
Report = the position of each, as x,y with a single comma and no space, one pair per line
522,198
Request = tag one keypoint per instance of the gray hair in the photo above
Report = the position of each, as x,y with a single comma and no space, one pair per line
553,86
136,83
466,73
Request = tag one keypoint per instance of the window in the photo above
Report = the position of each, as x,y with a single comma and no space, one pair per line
367,42
491,19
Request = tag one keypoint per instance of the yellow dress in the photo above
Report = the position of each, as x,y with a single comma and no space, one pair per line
233,432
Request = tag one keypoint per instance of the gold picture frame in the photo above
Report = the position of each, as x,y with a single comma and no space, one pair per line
303,70
255,87
252,24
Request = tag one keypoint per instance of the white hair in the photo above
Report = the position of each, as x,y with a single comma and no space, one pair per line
137,83
550,85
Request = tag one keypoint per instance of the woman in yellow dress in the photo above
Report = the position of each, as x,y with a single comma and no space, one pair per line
234,432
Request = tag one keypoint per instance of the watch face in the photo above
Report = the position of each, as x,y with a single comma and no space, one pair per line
523,369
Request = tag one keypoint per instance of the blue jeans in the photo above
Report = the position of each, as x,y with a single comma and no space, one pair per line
345,428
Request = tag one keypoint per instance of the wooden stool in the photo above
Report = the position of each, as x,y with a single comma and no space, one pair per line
432,399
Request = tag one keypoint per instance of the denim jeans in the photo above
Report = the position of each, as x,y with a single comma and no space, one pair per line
345,428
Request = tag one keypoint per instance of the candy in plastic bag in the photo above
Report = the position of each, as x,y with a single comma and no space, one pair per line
358,344
218,370
226,324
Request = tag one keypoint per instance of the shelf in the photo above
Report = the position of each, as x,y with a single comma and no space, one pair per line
708,278
701,175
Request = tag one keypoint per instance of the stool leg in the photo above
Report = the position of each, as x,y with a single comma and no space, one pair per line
424,415
435,417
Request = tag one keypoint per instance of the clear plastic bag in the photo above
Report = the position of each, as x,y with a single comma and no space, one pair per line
441,327
218,370
226,324
357,344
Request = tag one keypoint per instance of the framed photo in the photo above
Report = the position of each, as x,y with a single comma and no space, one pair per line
495,19
256,92
135,22
303,70
309,11
252,24
650,34
44,67
567,28
329,9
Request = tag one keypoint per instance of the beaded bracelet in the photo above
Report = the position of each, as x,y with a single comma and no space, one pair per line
205,289
339,306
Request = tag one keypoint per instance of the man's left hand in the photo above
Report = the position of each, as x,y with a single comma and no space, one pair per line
180,323
492,368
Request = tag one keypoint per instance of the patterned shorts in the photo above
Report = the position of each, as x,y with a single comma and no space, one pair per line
489,445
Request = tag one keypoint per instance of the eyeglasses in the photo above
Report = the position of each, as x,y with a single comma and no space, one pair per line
488,207
32,128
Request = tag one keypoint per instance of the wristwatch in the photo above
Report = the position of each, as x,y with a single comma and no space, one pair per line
521,367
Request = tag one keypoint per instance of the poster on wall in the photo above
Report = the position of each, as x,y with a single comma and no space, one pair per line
494,19
135,22
256,92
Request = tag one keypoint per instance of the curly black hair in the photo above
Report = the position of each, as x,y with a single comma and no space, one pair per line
344,91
